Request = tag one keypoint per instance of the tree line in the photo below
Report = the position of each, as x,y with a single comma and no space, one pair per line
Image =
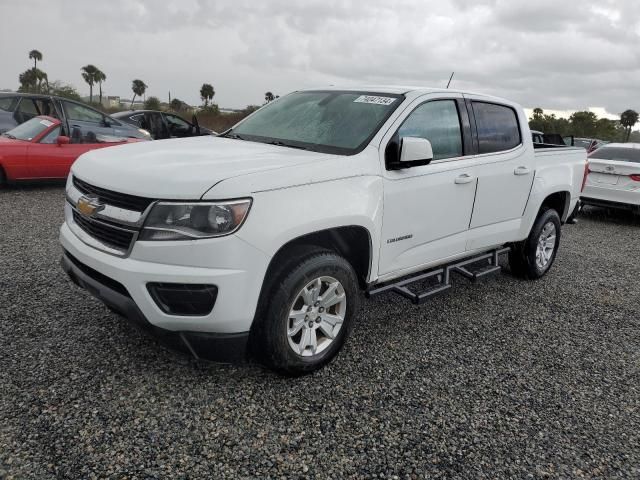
586,124
35,80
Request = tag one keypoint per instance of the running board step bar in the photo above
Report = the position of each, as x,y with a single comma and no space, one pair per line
442,275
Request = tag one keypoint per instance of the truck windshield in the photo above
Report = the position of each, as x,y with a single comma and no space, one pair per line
29,129
339,122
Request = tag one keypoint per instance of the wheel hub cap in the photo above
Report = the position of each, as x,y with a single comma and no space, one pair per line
316,316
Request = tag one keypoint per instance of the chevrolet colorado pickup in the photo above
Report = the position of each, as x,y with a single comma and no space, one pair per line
261,242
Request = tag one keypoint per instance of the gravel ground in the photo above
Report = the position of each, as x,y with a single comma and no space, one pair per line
504,378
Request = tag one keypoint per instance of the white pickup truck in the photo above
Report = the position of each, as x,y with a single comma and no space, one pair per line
261,242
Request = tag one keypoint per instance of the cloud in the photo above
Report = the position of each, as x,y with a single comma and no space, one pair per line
558,55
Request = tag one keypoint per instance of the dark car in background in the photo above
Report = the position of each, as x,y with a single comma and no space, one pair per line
163,125
80,122
548,139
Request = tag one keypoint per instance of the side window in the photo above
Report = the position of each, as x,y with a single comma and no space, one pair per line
80,113
498,128
177,126
52,136
438,122
26,110
177,121
45,106
138,119
8,104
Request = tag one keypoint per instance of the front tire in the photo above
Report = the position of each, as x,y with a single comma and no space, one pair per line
532,258
308,313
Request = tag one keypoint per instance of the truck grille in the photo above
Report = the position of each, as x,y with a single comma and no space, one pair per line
112,236
120,200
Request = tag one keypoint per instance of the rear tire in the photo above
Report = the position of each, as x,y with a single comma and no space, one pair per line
532,258
3,178
307,313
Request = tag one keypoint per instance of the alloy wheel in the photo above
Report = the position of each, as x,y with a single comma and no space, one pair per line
316,316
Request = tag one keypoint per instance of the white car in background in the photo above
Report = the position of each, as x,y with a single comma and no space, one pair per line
614,177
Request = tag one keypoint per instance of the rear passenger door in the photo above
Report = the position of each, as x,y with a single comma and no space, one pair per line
504,165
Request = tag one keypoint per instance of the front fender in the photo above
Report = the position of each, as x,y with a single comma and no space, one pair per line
280,216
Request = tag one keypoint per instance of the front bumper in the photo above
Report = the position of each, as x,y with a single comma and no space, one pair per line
232,265
211,346
236,268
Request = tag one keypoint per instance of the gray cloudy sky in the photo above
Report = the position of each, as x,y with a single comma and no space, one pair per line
563,55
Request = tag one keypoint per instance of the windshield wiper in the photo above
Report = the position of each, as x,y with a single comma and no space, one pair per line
235,136
8,135
280,143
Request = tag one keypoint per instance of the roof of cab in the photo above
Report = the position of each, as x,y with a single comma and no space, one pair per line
403,90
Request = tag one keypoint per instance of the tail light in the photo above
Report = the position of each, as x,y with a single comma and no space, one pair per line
584,178
635,177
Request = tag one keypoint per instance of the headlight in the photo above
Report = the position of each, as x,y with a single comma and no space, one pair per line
190,221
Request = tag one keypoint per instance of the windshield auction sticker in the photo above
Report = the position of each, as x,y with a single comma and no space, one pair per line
375,100
46,123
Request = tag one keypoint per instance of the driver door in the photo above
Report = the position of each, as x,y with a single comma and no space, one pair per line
427,208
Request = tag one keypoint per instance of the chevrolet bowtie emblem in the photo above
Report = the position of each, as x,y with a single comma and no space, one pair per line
89,206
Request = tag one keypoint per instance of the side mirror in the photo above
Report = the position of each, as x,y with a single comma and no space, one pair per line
63,140
415,149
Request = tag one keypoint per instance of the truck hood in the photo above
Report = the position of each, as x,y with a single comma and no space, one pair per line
183,168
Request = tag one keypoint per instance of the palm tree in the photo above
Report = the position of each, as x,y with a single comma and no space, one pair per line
36,56
32,80
269,97
206,93
628,119
41,77
100,77
28,80
89,76
138,87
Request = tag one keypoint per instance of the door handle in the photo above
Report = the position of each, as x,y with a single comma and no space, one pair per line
521,171
464,178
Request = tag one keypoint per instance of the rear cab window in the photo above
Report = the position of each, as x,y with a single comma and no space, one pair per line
497,126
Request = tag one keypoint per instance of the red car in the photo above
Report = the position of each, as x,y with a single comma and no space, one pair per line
37,150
